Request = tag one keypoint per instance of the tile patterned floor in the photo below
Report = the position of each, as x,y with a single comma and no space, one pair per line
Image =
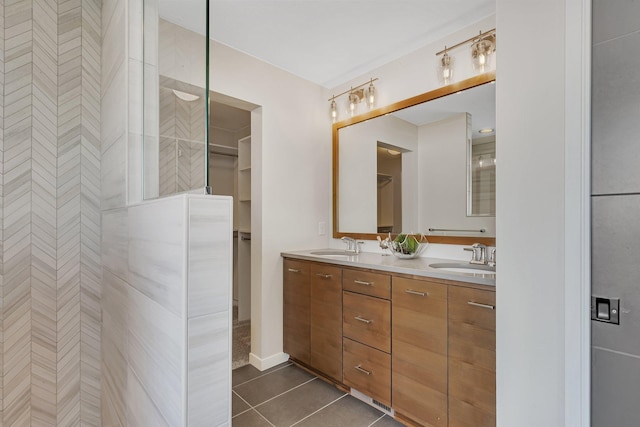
286,395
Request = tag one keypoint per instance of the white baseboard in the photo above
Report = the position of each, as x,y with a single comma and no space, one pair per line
267,362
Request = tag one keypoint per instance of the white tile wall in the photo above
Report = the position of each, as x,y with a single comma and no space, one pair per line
166,336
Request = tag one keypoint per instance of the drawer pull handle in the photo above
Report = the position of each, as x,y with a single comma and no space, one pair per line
325,276
364,371
363,320
293,270
360,282
420,294
477,304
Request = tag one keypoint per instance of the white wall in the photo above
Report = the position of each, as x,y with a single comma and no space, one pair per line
542,226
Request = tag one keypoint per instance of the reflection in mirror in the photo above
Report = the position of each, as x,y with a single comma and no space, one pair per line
181,156
173,148
389,189
430,185
482,172
360,164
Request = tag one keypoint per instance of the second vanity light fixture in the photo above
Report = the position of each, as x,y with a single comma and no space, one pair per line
482,46
357,94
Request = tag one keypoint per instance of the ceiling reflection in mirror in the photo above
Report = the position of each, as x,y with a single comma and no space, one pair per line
175,100
442,181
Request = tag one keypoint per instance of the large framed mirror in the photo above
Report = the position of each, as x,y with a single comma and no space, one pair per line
425,165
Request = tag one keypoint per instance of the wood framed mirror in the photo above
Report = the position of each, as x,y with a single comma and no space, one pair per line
392,182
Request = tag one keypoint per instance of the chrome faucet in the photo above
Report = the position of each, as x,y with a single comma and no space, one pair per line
478,253
352,244
492,257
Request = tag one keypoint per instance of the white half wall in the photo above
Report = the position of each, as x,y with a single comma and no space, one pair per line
166,337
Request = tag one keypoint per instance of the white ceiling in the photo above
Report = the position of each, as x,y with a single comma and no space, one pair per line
479,101
327,42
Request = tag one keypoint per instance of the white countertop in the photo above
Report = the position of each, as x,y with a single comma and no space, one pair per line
392,264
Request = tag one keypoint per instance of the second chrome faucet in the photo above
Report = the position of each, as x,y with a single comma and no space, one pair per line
352,244
479,254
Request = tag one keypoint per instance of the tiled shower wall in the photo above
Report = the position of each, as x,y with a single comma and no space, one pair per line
615,364
181,142
50,217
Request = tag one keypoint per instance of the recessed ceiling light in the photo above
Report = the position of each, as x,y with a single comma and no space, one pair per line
185,96
486,130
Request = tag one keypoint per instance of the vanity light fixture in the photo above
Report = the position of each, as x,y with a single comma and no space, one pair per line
357,94
486,130
482,47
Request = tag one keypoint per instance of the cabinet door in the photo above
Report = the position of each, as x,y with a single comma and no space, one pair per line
472,357
326,320
419,357
296,331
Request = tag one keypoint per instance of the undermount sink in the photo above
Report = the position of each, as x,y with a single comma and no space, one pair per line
464,267
333,253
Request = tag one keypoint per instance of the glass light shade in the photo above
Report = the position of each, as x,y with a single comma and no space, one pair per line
370,93
481,52
445,69
353,103
334,110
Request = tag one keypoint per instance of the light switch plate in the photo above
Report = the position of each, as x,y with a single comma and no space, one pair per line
605,309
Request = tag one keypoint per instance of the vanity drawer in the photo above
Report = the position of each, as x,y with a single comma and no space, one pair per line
366,282
367,320
367,370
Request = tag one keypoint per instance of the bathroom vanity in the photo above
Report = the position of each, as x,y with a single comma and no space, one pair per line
415,339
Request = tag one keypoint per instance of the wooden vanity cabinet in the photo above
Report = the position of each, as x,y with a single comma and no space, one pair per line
296,307
326,320
419,357
424,347
472,357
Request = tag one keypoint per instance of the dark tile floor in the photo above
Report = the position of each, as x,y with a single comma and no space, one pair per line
286,395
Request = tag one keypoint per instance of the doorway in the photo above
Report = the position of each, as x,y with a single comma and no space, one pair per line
230,172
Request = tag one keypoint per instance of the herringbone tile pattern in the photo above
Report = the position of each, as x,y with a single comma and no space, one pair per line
51,271
181,155
1,205
17,204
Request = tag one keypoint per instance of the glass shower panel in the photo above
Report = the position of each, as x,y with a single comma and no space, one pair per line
174,97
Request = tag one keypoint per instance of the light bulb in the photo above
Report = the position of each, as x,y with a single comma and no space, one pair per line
353,99
371,95
334,110
480,52
445,72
